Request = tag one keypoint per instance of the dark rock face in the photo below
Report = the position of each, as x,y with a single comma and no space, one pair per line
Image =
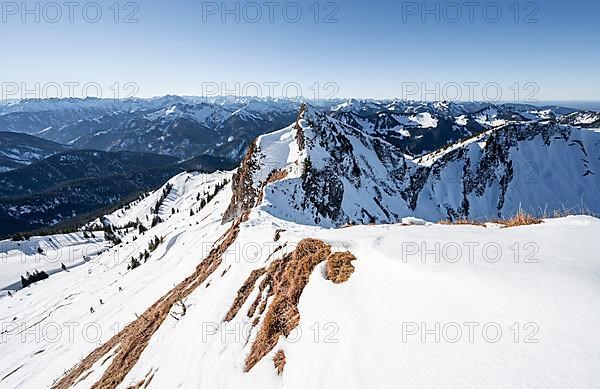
324,191
245,193
416,183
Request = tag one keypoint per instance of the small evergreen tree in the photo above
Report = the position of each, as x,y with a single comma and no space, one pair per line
157,220
133,264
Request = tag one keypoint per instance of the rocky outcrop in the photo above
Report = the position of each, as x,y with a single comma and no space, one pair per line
245,192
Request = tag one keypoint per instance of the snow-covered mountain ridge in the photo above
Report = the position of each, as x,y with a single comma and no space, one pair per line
18,150
330,173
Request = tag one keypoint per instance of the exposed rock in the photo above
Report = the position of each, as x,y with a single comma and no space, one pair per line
244,191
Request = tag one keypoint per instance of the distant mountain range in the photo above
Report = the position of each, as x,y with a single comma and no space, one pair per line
84,155
185,127
171,125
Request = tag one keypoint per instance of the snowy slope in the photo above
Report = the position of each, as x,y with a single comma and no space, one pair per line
352,334
18,150
18,258
65,299
186,188
356,334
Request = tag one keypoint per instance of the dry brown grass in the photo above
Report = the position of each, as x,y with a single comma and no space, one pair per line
289,277
339,267
577,211
143,384
284,281
520,219
259,298
279,361
462,222
276,175
244,293
134,338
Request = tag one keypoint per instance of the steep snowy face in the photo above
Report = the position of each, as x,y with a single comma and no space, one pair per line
348,176
537,167
324,171
320,171
272,157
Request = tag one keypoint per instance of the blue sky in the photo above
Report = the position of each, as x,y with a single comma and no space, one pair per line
380,49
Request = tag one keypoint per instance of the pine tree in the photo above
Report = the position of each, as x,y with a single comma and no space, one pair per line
141,228
133,264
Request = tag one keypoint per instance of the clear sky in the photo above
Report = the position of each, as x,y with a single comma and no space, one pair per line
503,50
